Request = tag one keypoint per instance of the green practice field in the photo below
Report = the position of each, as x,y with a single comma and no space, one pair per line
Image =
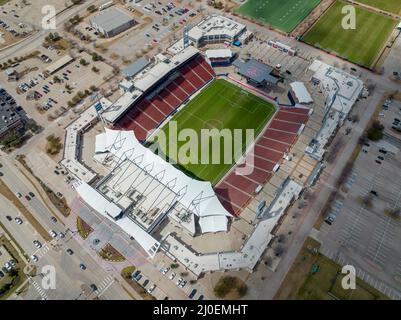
361,45
386,5
282,15
221,105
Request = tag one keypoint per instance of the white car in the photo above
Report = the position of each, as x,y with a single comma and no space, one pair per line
179,281
34,258
18,220
152,288
53,234
18,194
172,276
182,283
164,270
37,244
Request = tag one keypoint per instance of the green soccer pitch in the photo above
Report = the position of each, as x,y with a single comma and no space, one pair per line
361,45
221,105
282,15
386,5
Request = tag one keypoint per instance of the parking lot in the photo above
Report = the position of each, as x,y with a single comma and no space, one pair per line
54,91
364,233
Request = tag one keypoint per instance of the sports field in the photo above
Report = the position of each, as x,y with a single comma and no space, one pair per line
221,105
361,45
283,15
386,5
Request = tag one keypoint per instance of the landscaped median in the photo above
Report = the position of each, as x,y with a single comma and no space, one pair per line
109,253
126,274
84,229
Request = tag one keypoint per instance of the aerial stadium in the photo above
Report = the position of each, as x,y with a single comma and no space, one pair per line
144,188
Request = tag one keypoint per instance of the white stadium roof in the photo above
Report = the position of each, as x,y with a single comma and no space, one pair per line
196,196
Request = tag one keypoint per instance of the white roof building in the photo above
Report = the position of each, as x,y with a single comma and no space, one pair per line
218,53
158,184
72,139
301,93
215,29
342,91
250,253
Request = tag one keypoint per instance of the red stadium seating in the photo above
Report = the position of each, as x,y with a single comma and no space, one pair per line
235,191
150,112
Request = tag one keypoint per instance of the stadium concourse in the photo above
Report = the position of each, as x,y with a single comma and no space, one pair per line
150,112
235,191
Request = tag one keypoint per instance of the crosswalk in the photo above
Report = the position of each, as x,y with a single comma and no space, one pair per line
42,251
39,289
104,285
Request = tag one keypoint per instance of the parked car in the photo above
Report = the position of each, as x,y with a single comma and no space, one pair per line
192,294
164,270
37,244
53,234
34,258
135,274
82,266
152,288
53,219
69,251
31,194
93,287
183,283
9,218
172,276
18,220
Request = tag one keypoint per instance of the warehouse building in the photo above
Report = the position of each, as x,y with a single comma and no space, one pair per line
112,21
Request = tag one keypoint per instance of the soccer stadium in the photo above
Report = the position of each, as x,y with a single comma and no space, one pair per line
141,192
361,45
184,89
282,15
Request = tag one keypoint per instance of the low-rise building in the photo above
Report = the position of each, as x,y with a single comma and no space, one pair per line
112,21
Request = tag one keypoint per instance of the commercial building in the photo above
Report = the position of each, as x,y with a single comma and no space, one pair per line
216,29
112,21
10,120
341,90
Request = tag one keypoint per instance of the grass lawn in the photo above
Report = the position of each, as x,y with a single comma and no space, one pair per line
386,5
221,105
283,15
325,284
361,45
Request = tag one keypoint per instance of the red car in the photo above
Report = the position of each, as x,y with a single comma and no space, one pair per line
27,197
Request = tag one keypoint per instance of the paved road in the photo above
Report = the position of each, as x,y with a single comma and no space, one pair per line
71,280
